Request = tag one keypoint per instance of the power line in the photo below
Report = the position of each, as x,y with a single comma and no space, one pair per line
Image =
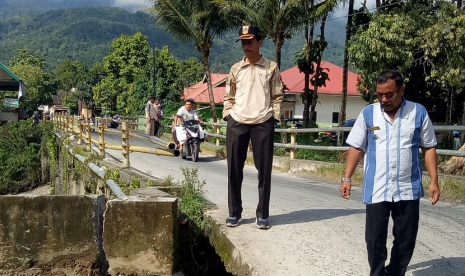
355,13
344,16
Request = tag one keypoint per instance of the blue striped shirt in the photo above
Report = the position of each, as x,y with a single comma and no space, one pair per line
392,167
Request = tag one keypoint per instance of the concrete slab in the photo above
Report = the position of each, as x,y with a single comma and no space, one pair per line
128,222
41,231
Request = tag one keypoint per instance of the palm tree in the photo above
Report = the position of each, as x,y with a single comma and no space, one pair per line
194,20
345,73
278,19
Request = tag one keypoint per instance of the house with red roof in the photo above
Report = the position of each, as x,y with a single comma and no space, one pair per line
329,97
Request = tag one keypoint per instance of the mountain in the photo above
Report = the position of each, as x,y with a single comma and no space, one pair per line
85,34
10,8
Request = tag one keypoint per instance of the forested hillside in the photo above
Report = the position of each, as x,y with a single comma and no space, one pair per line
10,8
85,34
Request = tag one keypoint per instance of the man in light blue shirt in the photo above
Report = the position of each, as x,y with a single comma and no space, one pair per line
392,132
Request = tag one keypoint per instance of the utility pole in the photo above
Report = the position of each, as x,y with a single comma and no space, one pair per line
154,72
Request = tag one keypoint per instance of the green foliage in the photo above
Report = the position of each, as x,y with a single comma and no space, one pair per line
317,155
126,72
197,21
192,203
20,153
425,40
85,34
40,84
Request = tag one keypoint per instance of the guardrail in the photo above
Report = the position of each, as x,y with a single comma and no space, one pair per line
114,187
69,124
293,131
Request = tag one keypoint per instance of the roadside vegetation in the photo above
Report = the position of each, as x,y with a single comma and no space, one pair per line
21,148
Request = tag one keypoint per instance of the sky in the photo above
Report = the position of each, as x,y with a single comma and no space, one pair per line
342,11
126,3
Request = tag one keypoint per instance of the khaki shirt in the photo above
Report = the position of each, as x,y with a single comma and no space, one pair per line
254,92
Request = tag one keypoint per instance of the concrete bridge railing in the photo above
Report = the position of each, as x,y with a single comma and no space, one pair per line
77,233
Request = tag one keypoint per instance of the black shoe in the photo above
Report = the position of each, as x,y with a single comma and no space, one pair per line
262,223
233,221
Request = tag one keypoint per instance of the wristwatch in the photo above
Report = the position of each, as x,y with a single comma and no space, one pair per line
344,179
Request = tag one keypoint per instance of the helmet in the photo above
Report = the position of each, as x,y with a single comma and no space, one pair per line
190,100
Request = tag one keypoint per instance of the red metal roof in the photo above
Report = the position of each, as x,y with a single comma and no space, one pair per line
294,80
199,91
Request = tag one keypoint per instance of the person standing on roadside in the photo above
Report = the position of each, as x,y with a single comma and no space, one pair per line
254,92
392,132
150,117
157,108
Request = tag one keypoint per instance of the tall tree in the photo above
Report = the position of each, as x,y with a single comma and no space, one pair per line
345,70
425,41
278,19
41,85
320,77
125,66
198,21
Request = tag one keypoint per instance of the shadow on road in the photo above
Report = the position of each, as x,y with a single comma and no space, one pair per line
202,159
303,216
444,267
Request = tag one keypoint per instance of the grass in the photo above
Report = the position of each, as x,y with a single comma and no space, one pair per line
451,189
335,171
167,181
192,203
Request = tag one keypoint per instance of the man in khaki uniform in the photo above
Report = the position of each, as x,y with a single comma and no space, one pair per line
252,100
150,114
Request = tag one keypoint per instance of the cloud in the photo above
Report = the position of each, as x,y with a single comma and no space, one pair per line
132,3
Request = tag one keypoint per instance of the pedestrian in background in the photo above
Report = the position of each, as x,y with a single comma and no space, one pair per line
252,100
150,117
392,132
158,115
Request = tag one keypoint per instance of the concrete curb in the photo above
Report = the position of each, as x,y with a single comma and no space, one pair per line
230,255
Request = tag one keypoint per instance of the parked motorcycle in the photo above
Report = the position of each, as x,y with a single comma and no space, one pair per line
189,135
114,122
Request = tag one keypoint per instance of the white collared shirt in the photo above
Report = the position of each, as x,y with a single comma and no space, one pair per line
392,169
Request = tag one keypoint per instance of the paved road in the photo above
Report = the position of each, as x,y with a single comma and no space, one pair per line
314,231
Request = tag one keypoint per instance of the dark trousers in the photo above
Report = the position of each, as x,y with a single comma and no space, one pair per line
237,141
405,215
156,128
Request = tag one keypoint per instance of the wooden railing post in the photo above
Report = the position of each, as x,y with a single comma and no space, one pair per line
293,140
79,132
71,124
66,123
101,136
61,120
88,137
218,131
125,139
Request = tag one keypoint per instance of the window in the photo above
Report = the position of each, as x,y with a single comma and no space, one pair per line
335,117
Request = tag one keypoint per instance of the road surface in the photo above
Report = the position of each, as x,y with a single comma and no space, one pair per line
313,230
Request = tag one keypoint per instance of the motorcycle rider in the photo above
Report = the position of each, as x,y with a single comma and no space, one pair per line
186,112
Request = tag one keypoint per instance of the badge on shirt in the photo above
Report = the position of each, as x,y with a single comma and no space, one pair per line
374,128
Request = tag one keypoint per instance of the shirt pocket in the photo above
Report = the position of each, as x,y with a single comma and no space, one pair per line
264,77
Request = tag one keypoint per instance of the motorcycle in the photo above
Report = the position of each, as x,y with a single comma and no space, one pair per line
190,135
114,122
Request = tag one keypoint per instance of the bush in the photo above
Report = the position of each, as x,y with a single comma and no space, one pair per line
20,155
